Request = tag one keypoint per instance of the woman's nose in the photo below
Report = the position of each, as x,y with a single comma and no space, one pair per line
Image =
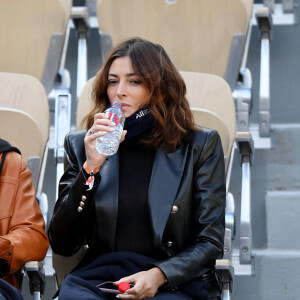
122,89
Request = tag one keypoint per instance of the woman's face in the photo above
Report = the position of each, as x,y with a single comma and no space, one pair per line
125,85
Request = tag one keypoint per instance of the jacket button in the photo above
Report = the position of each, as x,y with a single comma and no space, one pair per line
81,203
169,244
86,247
174,209
83,198
79,209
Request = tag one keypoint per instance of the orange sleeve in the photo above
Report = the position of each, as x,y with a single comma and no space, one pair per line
25,238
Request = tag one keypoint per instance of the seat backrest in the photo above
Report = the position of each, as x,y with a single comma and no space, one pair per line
212,93
84,104
26,28
209,119
197,34
26,94
21,131
249,8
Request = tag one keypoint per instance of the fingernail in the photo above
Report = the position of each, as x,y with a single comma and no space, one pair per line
117,296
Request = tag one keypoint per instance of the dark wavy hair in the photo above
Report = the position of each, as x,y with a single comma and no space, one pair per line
168,103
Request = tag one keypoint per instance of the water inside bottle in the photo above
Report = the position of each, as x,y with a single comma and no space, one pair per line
109,144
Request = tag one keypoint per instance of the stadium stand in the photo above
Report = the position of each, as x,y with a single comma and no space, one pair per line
23,21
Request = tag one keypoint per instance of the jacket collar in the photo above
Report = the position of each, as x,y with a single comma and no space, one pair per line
6,147
166,175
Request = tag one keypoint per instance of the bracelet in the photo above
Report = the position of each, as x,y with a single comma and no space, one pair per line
91,179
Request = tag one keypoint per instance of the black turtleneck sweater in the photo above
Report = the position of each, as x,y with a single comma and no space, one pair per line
134,231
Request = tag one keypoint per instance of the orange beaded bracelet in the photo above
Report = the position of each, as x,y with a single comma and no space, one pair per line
90,180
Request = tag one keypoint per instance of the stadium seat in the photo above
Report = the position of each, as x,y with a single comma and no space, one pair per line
212,105
22,131
176,25
32,37
24,94
201,89
212,94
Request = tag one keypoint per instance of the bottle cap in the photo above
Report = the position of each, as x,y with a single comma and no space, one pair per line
117,103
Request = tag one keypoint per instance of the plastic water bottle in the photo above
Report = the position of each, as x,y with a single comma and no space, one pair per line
109,143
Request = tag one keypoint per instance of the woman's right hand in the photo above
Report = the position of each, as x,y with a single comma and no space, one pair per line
100,127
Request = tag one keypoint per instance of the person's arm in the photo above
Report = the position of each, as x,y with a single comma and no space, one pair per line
69,224
67,229
209,196
26,239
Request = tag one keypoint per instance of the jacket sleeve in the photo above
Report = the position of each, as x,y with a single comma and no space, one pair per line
67,229
209,196
25,239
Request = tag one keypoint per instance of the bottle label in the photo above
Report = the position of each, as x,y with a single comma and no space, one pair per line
114,118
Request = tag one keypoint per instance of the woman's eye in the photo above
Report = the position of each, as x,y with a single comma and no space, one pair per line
112,82
135,81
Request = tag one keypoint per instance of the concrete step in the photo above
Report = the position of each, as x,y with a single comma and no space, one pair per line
283,222
276,277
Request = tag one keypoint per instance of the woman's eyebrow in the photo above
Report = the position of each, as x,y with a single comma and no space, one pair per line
131,74
127,75
113,75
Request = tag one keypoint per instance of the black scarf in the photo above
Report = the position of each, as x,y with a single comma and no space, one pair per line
139,122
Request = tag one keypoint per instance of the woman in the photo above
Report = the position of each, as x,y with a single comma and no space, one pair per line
154,214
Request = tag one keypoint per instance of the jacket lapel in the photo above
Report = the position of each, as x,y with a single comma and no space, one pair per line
166,176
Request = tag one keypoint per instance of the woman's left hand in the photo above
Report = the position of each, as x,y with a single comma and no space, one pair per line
146,284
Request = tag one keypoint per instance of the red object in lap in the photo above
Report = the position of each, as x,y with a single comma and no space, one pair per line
123,287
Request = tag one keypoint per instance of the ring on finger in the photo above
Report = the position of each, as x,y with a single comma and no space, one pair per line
91,132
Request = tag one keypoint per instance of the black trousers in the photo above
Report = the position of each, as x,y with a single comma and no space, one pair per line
82,283
8,292
75,288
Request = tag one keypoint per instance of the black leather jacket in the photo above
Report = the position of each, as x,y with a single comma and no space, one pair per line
186,205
